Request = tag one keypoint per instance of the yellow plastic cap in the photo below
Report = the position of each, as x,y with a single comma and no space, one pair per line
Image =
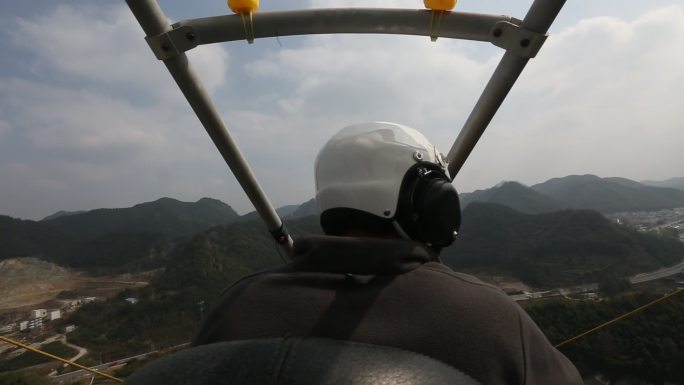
440,5
243,6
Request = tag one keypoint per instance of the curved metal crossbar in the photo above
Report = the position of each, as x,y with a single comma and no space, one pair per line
521,40
456,25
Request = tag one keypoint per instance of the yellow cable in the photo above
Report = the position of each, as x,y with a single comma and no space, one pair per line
620,318
251,26
434,27
249,36
46,354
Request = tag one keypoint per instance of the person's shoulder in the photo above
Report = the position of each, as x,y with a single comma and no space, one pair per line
254,278
462,286
444,272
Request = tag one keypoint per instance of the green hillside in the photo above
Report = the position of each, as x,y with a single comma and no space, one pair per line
168,310
304,210
556,249
648,346
108,239
515,196
164,216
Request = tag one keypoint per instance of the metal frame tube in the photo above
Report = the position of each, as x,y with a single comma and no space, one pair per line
153,22
539,18
457,25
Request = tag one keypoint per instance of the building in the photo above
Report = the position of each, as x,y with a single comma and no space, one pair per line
69,328
132,300
35,323
38,313
23,325
54,314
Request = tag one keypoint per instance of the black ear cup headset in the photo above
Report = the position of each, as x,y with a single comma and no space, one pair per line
429,209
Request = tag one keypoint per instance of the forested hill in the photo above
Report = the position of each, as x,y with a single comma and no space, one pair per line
609,195
516,196
555,249
647,346
544,250
196,272
164,216
109,238
289,212
209,261
605,195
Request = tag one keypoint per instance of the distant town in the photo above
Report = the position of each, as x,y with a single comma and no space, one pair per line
665,222
43,327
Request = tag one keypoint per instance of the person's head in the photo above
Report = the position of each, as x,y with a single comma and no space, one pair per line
383,179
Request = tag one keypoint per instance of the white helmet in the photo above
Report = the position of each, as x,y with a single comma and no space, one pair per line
391,172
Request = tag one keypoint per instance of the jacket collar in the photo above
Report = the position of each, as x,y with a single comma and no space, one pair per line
349,255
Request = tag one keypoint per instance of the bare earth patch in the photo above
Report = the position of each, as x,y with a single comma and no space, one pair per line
26,282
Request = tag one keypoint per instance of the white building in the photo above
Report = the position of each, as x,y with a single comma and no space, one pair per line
23,325
38,313
54,314
69,328
35,323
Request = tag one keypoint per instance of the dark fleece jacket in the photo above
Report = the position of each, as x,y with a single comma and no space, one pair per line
390,292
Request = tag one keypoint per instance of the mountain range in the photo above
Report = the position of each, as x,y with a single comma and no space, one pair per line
107,238
522,225
605,195
677,183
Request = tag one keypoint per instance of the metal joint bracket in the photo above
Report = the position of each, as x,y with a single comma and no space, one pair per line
280,235
171,44
517,39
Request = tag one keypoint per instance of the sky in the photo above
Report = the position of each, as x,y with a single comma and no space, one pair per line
89,118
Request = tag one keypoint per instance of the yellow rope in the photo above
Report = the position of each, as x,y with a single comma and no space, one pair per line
46,354
249,33
620,318
251,24
434,29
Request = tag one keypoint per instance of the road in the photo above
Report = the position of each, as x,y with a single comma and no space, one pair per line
109,366
112,365
662,273
81,350
558,292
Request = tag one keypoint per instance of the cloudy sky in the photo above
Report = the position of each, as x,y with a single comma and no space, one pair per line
89,118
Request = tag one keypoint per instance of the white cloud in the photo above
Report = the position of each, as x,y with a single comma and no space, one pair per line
62,119
98,120
340,80
603,96
104,125
105,45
